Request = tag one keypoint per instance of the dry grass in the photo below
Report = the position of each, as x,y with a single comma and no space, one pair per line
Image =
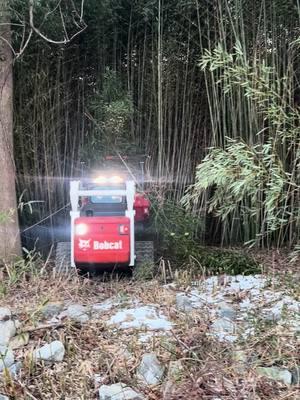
210,369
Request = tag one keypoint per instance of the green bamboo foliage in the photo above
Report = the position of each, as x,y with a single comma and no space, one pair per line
253,167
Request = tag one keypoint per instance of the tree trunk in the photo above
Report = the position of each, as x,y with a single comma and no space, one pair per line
9,228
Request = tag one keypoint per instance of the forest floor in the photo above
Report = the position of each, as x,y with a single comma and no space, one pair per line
214,338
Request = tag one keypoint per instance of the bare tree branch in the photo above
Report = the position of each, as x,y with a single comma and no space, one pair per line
38,32
10,24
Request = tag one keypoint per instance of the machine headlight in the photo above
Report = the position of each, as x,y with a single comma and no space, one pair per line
81,229
108,180
116,179
101,180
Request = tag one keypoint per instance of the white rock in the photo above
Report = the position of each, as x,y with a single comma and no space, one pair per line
6,357
108,304
119,391
53,351
276,374
286,304
223,325
78,313
104,306
5,313
150,370
196,300
224,330
247,305
269,296
184,302
240,282
259,300
224,337
210,283
2,397
52,309
232,284
225,310
142,317
7,331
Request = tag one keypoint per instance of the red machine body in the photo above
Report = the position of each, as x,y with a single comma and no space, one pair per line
106,216
102,240
141,206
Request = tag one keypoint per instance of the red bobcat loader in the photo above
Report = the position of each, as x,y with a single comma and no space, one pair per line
104,215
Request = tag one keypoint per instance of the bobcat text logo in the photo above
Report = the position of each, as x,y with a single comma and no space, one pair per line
84,244
108,245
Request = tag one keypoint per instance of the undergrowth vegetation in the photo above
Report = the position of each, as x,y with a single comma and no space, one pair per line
23,269
178,239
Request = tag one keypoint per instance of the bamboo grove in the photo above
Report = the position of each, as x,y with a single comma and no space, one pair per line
181,81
